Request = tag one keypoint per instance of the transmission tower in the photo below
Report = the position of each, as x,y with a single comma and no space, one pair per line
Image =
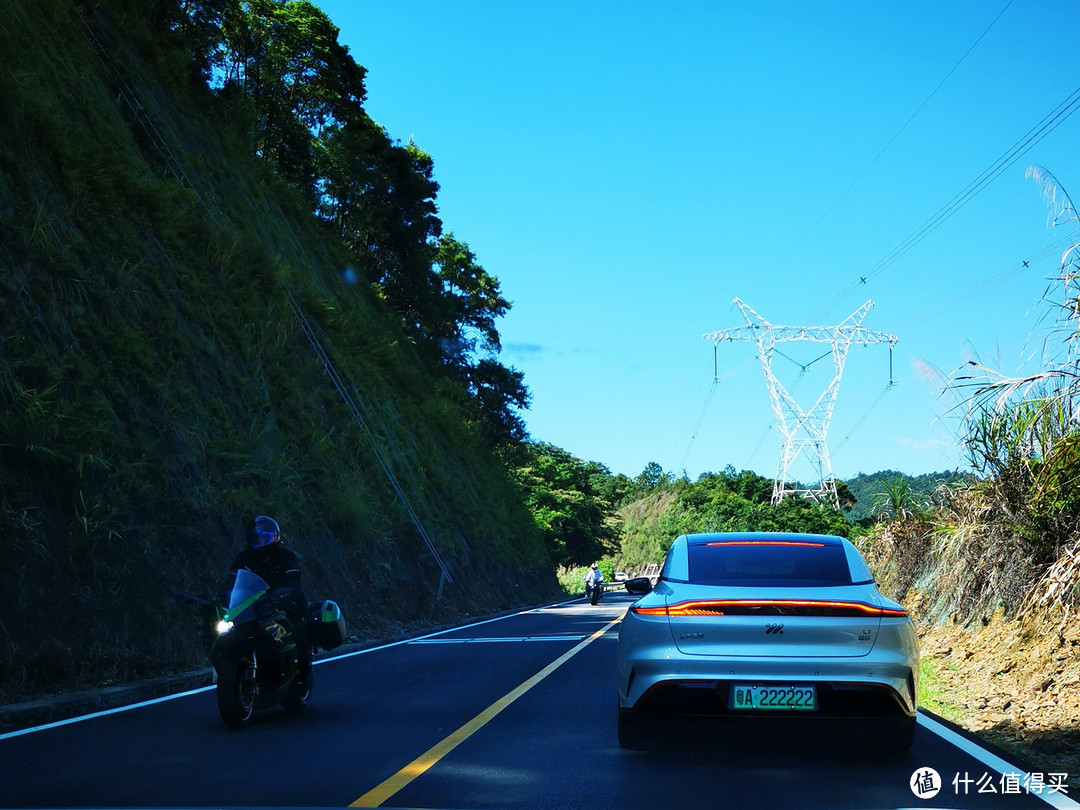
804,431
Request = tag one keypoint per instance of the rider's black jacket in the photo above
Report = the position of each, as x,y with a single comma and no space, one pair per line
278,565
280,568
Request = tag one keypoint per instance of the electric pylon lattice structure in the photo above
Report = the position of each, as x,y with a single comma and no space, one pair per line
803,431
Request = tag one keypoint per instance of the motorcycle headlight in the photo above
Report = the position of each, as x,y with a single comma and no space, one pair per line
223,627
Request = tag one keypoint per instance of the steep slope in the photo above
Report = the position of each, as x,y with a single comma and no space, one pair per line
158,382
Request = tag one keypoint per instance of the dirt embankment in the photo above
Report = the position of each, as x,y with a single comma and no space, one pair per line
1015,683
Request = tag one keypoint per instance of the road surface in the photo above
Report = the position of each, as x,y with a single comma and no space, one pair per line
517,712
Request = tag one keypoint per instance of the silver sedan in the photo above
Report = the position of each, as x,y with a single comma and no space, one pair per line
764,626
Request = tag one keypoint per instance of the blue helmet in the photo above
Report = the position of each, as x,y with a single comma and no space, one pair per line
263,531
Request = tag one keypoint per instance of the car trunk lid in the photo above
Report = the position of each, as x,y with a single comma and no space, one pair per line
836,622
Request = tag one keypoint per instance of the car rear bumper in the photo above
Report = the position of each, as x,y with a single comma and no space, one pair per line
871,686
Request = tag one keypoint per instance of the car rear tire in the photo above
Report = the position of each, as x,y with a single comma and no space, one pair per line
900,736
632,731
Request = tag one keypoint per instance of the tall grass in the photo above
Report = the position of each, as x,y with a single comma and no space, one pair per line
1011,538
1022,431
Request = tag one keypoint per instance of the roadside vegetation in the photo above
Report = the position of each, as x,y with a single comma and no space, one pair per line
226,290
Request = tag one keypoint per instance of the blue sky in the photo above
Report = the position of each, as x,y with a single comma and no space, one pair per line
626,169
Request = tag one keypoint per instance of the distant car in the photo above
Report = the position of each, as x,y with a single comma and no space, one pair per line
767,626
620,576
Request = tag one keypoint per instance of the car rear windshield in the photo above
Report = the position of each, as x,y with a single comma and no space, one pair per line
768,564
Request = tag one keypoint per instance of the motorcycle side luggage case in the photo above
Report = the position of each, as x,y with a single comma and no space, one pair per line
325,624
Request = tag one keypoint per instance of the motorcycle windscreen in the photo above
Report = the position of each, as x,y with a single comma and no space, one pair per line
247,588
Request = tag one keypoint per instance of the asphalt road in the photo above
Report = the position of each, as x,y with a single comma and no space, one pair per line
517,712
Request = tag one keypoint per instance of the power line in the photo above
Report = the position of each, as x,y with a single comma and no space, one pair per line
946,212
905,125
862,418
993,281
1033,137
700,421
1037,133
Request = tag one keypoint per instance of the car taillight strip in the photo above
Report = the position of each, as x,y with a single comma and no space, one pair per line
750,607
765,543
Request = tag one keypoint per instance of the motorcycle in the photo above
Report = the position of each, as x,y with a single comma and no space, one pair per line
593,592
253,649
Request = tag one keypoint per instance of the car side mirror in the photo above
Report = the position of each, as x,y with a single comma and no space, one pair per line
639,586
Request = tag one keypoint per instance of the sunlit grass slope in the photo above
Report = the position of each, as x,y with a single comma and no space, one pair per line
156,384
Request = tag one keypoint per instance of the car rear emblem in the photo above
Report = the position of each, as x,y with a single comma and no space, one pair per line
774,629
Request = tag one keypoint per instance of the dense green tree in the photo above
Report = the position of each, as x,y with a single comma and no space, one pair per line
472,302
193,26
157,384
755,488
398,248
379,197
500,395
844,495
652,476
572,514
282,67
296,95
463,333
866,489
616,489
727,501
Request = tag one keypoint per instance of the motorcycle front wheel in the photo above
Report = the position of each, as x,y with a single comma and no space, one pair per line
236,691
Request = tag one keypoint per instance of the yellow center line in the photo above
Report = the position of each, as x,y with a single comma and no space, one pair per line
380,793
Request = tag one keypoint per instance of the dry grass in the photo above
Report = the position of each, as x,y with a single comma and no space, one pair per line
999,636
1019,684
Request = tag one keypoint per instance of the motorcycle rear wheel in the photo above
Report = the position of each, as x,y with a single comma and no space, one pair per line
299,694
236,705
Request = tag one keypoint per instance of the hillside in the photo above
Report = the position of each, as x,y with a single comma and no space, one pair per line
716,502
185,344
871,491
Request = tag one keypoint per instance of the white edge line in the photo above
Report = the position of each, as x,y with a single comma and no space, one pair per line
102,713
1059,800
495,640
72,720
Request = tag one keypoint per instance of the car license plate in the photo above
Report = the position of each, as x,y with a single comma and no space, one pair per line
777,697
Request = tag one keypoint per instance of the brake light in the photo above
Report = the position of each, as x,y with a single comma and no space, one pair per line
745,607
766,543
649,611
704,608
894,613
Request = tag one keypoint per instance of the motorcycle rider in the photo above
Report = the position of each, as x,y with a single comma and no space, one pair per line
267,557
593,577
